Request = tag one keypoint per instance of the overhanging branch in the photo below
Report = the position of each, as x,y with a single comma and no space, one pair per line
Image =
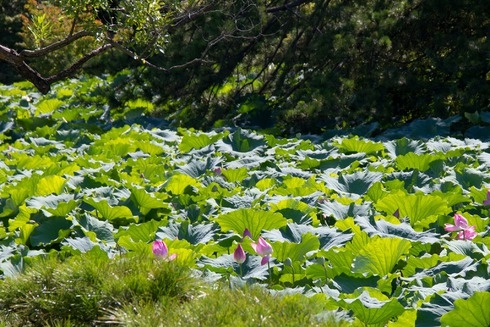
54,46
77,65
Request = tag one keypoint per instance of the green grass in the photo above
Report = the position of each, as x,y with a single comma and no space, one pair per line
138,290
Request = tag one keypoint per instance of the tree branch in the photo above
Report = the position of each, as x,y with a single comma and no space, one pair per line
54,46
77,65
287,6
41,83
15,59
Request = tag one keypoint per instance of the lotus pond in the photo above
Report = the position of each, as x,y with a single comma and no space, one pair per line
391,229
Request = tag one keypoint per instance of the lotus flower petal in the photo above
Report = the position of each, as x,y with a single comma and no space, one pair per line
460,221
262,247
487,201
467,234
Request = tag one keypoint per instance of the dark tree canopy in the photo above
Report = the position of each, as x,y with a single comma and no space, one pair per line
297,65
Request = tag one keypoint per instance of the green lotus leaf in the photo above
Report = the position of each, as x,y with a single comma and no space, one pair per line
152,148
82,244
62,210
470,177
412,161
242,142
25,161
297,186
26,231
194,234
376,192
372,307
52,230
177,184
8,208
49,201
112,213
380,256
253,220
196,167
47,106
357,183
197,141
235,175
293,232
404,146
296,251
340,260
349,283
384,228
341,211
354,145
435,306
420,208
126,242
144,232
417,264
297,211
251,268
103,230
341,161
50,185
146,201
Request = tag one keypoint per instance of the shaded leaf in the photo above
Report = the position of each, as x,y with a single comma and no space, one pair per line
51,230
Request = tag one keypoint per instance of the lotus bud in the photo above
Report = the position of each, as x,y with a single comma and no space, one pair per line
246,233
160,250
239,255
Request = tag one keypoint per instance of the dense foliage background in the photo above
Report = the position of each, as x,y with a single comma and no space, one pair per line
303,66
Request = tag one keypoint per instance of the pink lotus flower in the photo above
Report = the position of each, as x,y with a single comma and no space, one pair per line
160,250
263,249
239,255
246,233
465,232
487,201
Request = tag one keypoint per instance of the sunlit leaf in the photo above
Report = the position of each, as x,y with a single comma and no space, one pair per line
47,106
235,175
253,220
413,161
111,213
296,251
146,201
421,209
50,185
197,141
177,184
349,145
380,256
295,210
372,307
